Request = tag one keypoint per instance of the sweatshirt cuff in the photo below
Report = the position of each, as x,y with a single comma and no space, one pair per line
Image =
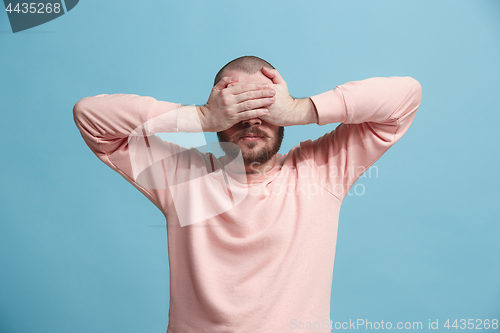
330,107
162,117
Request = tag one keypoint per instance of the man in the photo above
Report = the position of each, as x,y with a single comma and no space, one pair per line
251,234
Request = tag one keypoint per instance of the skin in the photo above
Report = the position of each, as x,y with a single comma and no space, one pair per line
249,109
253,135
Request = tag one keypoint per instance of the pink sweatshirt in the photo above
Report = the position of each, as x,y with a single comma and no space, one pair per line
250,254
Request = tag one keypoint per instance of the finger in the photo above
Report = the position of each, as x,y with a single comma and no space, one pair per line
256,113
273,74
224,82
254,104
244,87
254,94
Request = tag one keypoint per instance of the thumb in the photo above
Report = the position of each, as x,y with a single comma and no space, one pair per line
273,74
224,82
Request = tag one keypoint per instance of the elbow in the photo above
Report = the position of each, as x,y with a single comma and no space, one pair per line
79,111
410,92
415,91
79,108
84,116
83,108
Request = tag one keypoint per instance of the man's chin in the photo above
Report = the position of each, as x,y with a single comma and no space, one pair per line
250,156
253,151
256,157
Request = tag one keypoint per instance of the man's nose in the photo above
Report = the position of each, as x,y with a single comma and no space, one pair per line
252,122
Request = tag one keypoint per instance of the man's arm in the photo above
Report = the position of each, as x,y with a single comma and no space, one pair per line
119,129
374,114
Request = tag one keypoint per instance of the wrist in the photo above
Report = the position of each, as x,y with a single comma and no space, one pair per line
204,119
307,111
189,119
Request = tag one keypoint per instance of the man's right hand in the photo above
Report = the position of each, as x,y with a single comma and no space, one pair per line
230,103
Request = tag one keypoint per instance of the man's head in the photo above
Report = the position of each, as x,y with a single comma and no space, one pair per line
258,140
245,64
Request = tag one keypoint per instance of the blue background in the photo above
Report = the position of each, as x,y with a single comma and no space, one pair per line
81,250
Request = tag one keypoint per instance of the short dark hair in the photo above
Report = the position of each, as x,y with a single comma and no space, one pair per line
245,64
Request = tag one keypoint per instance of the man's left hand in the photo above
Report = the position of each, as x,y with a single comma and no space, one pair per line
287,111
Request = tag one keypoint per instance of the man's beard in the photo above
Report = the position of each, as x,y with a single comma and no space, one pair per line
250,157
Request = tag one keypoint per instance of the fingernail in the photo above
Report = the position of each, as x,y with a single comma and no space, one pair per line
265,110
271,99
232,78
272,92
265,86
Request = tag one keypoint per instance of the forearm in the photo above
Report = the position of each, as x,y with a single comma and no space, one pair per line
306,111
189,120
102,119
372,100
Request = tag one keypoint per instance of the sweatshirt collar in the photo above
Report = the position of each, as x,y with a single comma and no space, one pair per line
238,172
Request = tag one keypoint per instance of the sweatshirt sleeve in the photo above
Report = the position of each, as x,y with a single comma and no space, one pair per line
374,114
119,129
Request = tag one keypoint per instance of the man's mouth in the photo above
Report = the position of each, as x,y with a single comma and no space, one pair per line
250,137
